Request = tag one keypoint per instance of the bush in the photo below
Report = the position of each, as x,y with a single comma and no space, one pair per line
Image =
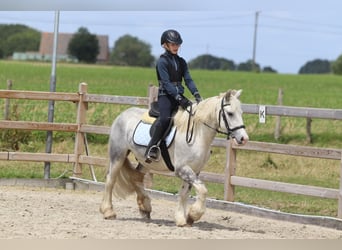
12,138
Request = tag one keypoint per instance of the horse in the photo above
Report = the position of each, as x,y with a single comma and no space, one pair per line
218,114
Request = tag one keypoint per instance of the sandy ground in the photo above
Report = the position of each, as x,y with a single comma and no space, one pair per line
47,213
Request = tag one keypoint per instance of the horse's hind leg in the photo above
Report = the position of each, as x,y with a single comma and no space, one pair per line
144,203
107,207
137,180
197,209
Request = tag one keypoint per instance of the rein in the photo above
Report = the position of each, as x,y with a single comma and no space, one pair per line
189,138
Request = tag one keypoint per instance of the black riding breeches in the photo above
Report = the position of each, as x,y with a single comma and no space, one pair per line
167,106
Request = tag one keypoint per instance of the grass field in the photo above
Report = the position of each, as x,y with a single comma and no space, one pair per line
323,91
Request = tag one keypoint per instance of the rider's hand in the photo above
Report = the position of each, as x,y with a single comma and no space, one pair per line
198,97
183,101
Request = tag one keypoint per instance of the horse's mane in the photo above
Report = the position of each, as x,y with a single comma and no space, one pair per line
205,111
202,112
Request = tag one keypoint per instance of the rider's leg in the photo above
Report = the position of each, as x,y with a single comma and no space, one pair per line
166,107
151,151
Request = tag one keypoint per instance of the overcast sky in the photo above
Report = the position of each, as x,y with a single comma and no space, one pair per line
289,33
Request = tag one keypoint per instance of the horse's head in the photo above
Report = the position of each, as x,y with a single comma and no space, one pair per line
230,117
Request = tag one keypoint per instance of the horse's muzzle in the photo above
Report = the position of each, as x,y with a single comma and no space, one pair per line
240,141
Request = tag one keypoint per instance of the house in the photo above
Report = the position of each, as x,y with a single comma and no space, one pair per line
46,46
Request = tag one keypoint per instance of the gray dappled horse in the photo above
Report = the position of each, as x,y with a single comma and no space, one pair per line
221,114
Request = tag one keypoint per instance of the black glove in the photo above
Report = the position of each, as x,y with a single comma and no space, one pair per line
198,97
183,101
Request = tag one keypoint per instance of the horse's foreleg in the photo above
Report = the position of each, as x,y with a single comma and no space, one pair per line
198,208
180,214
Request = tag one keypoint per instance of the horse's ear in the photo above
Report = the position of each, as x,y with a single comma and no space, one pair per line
238,93
228,95
235,93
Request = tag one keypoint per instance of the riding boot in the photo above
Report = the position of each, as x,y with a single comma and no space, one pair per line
153,148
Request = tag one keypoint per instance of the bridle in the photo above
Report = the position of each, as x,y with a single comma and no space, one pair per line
223,115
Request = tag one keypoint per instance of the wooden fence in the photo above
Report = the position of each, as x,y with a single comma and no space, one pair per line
228,179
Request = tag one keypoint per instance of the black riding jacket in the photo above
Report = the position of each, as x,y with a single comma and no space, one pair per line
171,70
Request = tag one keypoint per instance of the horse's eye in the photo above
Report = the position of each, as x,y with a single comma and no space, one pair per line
230,114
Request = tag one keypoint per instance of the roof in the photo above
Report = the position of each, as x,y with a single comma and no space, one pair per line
46,45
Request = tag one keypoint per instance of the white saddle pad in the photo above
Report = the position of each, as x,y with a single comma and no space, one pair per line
142,136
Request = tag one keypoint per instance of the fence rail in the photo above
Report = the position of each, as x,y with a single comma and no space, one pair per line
228,179
314,152
334,114
304,151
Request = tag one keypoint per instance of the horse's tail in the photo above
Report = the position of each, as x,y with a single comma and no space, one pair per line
128,180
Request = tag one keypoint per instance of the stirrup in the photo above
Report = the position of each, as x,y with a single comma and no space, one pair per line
155,156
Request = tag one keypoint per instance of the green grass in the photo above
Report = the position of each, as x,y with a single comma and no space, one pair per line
321,91
299,90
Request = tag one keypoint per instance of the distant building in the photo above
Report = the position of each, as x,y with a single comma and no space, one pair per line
28,55
46,47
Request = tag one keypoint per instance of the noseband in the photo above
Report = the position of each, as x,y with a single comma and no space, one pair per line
225,120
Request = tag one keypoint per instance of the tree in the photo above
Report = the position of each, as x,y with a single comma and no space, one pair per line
84,46
248,66
316,66
129,50
22,42
212,63
269,69
337,66
18,38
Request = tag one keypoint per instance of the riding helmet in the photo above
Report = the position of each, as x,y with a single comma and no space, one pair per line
171,36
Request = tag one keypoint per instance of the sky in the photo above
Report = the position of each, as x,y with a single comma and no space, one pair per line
288,34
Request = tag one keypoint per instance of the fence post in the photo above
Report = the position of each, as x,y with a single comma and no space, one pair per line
7,102
229,189
308,130
278,118
152,94
152,97
79,138
339,208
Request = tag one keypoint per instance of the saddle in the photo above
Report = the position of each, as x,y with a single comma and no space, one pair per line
154,110
145,129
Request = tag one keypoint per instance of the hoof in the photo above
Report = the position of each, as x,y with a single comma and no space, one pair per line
189,221
184,225
109,215
145,215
